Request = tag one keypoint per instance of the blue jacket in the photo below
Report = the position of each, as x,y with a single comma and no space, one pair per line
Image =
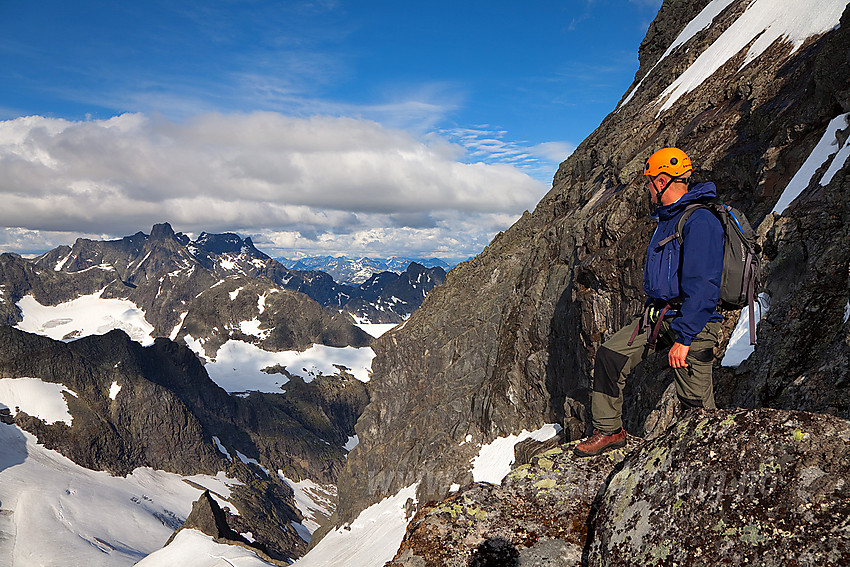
689,274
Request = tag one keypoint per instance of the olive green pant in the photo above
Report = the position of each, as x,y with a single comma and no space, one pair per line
615,360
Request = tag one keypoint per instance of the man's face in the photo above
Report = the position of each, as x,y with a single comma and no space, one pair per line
655,185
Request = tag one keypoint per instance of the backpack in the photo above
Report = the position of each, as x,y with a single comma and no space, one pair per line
741,265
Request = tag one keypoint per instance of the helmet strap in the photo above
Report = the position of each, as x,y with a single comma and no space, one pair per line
659,194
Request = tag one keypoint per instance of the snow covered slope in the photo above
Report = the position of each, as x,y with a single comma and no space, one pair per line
56,513
84,316
192,548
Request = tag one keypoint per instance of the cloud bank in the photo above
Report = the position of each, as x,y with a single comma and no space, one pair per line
319,185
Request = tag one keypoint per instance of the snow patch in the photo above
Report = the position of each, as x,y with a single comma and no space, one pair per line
371,539
176,329
376,329
221,448
766,21
61,264
252,328
702,21
191,547
84,316
238,365
739,347
352,442
235,293
494,460
44,400
825,148
847,312
114,389
249,461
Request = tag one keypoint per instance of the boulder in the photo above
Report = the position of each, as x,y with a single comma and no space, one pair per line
538,516
765,487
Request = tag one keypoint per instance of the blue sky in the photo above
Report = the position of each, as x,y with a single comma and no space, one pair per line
365,127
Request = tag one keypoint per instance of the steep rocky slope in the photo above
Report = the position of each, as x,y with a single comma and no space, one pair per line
508,341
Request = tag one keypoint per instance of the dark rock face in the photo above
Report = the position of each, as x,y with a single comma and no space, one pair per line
168,410
208,517
757,487
508,342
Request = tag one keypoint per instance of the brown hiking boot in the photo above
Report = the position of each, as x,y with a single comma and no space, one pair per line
599,442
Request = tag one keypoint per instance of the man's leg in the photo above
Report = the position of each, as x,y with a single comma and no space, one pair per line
694,384
615,360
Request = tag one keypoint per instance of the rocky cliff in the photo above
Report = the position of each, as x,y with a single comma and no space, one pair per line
508,342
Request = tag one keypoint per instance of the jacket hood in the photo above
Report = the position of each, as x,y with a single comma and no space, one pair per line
695,193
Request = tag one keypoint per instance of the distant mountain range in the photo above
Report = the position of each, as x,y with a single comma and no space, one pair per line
165,273
270,395
355,271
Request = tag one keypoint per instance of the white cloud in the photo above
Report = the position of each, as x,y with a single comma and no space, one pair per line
316,182
490,146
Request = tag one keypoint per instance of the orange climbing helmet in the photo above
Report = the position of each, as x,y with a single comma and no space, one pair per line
672,161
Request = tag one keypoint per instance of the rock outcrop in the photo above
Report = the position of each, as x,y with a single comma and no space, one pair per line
508,342
753,487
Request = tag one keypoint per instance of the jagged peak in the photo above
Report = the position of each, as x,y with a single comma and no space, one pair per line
161,231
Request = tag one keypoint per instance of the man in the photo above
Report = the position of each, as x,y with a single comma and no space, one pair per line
682,283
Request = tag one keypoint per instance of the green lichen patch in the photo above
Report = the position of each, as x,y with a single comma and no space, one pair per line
751,535
521,472
545,483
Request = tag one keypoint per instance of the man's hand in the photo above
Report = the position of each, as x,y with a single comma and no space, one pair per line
677,355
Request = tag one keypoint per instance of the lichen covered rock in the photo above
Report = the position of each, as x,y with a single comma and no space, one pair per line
764,487
539,513
744,487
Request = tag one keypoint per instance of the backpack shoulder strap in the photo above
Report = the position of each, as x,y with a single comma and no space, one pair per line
689,210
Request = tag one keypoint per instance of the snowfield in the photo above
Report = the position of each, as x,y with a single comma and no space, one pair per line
84,316
192,548
494,460
54,512
238,366
32,396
